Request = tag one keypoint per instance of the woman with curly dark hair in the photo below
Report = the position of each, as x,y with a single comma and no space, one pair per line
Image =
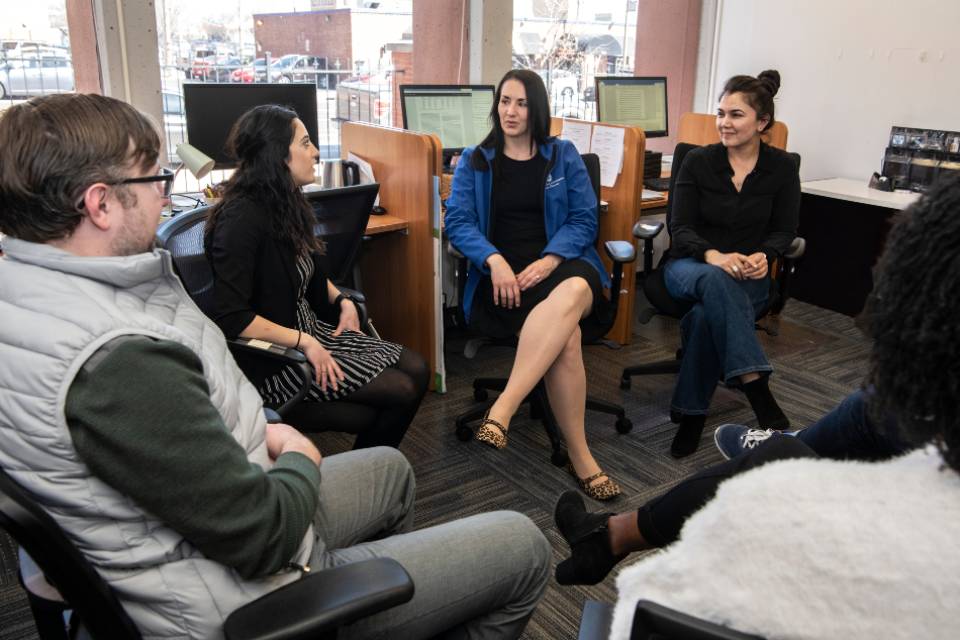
270,285
822,548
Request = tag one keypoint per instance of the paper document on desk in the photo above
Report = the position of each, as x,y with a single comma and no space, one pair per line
578,133
366,173
650,194
607,143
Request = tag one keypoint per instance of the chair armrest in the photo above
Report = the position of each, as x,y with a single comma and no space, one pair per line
620,251
322,601
647,230
361,302
453,251
797,247
264,349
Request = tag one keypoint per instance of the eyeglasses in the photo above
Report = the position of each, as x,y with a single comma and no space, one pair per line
165,176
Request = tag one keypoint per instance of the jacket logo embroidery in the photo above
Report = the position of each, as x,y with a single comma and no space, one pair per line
551,183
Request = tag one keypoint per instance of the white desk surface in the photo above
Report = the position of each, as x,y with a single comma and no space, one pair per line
858,191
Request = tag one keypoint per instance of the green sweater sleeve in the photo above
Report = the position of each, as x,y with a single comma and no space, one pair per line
140,416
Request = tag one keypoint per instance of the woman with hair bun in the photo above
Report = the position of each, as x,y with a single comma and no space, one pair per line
735,208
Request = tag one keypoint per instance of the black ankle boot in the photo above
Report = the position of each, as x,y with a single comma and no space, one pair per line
688,436
591,558
768,412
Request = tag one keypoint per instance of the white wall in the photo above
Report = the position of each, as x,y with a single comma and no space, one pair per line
850,70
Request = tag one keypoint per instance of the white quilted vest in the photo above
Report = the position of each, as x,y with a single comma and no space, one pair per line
56,310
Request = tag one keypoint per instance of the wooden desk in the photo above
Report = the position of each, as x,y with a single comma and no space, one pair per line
659,203
385,224
845,224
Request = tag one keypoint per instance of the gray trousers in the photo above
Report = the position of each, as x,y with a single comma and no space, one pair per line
476,577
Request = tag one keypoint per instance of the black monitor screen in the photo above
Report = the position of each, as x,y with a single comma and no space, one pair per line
457,114
211,110
635,102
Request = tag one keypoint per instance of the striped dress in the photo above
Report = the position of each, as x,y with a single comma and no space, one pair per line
361,357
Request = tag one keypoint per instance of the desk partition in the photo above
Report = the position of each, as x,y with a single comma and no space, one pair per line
624,200
398,269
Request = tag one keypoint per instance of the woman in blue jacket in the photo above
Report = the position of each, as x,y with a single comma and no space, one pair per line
523,211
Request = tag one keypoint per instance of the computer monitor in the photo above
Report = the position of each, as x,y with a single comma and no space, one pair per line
457,114
342,216
637,102
211,109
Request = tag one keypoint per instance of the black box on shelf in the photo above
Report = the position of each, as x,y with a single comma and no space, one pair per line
651,164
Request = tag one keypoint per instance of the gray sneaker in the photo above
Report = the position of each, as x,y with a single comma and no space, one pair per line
734,439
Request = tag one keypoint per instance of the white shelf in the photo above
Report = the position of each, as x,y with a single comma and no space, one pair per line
856,191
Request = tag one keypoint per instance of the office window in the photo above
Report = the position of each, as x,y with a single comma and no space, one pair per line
345,48
34,51
570,43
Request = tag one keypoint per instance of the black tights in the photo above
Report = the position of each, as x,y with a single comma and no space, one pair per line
661,519
380,411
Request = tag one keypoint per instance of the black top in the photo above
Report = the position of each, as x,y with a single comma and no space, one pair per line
517,226
708,213
255,273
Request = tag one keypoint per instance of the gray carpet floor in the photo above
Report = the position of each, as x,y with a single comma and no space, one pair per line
819,358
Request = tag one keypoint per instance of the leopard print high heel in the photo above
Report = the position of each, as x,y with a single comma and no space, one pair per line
492,432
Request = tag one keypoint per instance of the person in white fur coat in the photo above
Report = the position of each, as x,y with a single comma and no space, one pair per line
816,548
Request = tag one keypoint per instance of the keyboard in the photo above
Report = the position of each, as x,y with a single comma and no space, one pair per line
657,184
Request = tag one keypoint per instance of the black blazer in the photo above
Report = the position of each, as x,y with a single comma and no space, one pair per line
255,273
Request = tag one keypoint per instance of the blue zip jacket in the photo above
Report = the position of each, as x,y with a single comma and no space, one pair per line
569,208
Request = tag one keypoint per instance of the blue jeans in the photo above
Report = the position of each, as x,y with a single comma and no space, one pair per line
719,340
848,433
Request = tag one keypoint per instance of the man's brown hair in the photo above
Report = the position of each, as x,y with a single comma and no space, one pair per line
53,147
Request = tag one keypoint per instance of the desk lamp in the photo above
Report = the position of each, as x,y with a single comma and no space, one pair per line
197,162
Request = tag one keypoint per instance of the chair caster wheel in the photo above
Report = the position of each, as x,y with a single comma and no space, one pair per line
624,383
624,425
480,395
559,458
464,433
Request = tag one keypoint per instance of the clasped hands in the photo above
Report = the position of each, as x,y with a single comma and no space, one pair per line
507,285
737,265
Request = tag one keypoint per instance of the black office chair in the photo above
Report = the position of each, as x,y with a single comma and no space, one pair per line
655,289
652,621
182,236
314,606
621,253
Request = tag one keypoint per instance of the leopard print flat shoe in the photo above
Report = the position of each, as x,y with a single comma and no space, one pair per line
606,490
492,432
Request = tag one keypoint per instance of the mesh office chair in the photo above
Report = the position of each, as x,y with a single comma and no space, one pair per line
182,236
620,253
652,621
314,606
655,289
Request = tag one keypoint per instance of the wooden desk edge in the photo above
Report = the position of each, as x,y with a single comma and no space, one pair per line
385,224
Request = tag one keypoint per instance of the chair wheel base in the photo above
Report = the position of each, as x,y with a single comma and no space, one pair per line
463,432
624,425
480,395
559,458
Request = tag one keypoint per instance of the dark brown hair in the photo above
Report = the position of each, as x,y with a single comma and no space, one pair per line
54,147
260,141
538,115
758,92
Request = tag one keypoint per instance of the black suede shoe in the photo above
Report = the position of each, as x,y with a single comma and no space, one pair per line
591,558
688,434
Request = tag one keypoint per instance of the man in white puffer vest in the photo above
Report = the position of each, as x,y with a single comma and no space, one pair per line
123,414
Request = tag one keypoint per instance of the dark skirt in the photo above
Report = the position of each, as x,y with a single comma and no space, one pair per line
494,321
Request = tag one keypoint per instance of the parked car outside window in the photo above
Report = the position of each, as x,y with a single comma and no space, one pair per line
36,76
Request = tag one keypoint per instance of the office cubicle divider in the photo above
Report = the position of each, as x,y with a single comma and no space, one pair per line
624,200
401,271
